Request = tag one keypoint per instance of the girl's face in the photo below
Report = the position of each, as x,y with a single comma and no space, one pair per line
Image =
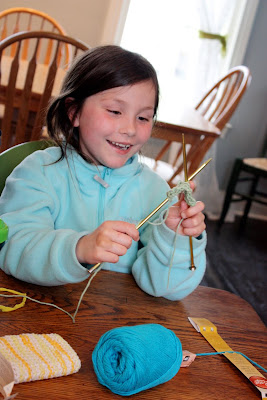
114,124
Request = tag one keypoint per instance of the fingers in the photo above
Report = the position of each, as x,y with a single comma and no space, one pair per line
174,217
192,185
193,220
113,240
188,212
107,243
174,212
193,226
120,227
116,243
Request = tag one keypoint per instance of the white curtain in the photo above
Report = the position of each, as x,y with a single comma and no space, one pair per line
167,34
215,18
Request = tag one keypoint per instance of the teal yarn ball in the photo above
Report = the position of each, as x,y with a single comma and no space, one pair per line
128,360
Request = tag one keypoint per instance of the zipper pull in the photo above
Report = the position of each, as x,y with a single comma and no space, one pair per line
101,181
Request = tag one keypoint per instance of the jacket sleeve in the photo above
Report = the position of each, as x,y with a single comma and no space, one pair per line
151,269
35,251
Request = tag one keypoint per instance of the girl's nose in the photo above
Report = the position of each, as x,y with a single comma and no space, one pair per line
128,126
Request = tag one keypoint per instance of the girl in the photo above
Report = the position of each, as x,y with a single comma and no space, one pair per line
76,204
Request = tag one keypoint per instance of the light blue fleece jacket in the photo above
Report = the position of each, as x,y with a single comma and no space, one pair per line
49,206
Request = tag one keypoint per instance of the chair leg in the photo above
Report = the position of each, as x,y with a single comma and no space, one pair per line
249,201
230,190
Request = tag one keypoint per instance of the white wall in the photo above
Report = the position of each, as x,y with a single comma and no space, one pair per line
249,123
82,19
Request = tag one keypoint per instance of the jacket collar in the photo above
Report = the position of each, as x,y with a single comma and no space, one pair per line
83,170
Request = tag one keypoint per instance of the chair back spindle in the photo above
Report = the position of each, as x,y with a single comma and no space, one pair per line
26,86
21,19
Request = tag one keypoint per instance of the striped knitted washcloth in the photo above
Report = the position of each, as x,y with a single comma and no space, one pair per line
39,356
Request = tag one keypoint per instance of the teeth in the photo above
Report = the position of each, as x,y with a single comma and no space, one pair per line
123,146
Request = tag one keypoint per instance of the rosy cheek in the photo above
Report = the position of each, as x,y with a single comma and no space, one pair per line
98,123
106,121
147,133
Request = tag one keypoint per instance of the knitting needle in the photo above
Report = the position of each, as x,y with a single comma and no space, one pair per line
92,269
192,267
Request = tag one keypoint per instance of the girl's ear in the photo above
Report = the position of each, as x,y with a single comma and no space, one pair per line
71,111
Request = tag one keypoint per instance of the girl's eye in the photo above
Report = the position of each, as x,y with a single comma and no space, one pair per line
114,112
143,119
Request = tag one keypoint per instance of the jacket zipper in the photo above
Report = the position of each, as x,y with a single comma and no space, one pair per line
102,193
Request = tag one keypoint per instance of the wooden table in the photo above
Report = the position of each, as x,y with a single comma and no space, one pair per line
186,120
114,300
199,137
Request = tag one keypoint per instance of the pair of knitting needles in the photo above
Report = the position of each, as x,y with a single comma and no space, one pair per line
141,223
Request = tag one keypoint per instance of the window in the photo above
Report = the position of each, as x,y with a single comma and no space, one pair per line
168,35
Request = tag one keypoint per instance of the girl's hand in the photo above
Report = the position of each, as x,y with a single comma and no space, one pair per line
193,219
109,241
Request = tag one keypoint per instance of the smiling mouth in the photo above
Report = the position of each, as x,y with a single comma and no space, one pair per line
119,145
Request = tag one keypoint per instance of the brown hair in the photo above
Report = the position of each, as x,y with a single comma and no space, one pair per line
99,69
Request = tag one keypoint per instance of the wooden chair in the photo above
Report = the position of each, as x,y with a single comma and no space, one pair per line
217,106
246,170
21,19
27,85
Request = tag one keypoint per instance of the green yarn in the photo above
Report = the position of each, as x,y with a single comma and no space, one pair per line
182,187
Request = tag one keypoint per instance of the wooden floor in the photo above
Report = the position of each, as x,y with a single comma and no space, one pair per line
237,261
